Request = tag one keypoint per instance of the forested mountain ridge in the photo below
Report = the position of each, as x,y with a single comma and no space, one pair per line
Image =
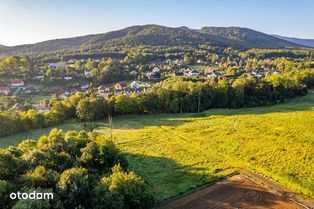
155,35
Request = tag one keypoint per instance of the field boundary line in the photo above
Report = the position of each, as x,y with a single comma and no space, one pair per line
255,177
267,183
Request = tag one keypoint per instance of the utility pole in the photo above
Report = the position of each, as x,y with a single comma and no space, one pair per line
110,124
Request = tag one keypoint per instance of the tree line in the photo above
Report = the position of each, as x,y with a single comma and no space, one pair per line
174,95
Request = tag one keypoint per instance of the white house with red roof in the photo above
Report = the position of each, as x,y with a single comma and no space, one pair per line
17,83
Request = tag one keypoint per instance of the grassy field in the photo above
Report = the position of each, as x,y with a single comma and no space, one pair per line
199,67
36,99
70,125
177,152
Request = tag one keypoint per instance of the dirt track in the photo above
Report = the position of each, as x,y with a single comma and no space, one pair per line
235,192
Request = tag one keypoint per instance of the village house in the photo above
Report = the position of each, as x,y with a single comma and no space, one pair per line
104,91
65,95
120,86
136,85
186,70
193,73
257,74
153,76
57,65
5,90
168,61
31,90
17,83
213,74
156,70
42,108
87,73
275,71
200,61
139,85
84,85
67,77
39,76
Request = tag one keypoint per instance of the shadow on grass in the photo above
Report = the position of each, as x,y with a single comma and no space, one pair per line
188,187
303,103
166,177
139,121
174,119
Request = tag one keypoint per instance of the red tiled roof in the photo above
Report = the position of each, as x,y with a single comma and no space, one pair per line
16,81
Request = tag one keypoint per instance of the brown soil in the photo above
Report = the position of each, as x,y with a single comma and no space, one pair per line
235,192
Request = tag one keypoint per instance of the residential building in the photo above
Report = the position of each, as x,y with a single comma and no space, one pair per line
193,73
5,90
17,83
120,86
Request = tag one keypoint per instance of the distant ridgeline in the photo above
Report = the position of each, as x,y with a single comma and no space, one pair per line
153,36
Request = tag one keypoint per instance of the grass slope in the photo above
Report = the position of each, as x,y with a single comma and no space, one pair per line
177,152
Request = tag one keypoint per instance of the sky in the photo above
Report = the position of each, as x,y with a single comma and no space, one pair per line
31,21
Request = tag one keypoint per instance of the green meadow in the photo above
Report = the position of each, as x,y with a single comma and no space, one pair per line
177,152
36,99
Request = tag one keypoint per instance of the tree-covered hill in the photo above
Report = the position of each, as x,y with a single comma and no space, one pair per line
155,35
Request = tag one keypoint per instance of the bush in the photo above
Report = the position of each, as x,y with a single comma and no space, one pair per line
74,186
128,191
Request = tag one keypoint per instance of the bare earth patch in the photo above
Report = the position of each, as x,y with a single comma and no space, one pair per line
237,191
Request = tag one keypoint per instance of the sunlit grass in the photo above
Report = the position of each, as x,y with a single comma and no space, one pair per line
177,152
